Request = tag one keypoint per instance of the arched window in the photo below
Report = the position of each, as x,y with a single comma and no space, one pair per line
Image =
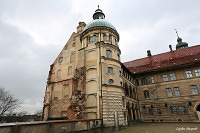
108,53
110,81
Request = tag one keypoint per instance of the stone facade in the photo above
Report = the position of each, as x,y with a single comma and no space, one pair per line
88,81
164,96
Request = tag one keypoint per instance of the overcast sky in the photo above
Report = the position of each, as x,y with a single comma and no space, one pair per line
33,32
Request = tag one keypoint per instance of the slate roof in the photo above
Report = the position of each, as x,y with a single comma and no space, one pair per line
170,59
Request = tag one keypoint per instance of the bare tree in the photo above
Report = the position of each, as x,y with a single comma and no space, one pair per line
7,102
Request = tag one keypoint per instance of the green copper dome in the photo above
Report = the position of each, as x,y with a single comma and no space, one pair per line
99,21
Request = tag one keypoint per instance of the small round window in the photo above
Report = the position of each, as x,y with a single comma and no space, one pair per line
110,81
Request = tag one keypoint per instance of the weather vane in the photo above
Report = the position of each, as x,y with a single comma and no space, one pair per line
176,32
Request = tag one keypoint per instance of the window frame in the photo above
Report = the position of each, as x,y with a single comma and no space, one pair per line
176,89
188,74
150,111
60,59
159,112
110,70
109,81
172,76
182,111
173,110
144,81
197,72
169,92
165,77
109,54
152,80
194,87
146,94
155,93
93,38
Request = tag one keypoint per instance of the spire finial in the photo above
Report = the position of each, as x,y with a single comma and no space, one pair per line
176,32
98,6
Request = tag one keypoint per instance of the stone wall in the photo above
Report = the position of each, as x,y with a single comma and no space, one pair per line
59,126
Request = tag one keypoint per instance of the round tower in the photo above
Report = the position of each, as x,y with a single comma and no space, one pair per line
100,40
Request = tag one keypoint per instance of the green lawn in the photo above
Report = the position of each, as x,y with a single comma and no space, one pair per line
162,128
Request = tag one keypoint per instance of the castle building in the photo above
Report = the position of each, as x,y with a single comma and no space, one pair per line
88,81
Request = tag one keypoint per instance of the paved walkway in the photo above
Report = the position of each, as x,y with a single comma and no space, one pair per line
162,128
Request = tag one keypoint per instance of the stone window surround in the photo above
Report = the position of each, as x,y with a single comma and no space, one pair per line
194,89
197,72
169,92
165,77
177,91
110,70
188,74
172,76
146,94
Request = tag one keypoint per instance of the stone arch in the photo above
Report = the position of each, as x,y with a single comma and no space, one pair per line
196,106
126,89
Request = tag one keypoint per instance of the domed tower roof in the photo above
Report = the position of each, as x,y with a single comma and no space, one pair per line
180,44
98,21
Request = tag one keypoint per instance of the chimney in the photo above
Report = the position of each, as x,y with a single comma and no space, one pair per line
81,26
148,53
170,47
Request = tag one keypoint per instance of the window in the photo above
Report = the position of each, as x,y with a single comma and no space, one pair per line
74,39
144,81
152,80
173,110
108,53
110,38
182,110
74,44
150,111
146,94
176,91
105,37
93,38
188,74
110,70
165,77
194,89
110,81
197,72
172,76
155,93
60,59
169,92
158,111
